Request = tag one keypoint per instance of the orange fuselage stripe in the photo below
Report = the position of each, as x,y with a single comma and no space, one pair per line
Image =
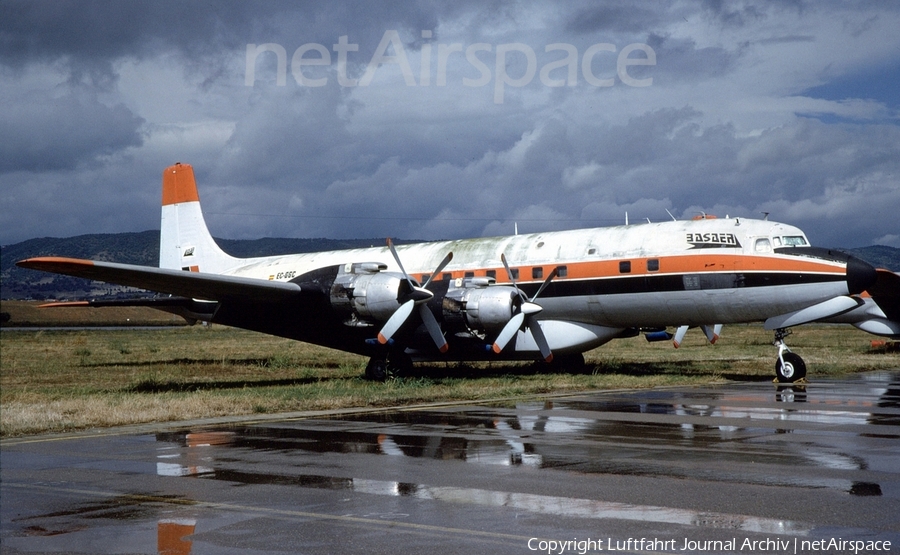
681,264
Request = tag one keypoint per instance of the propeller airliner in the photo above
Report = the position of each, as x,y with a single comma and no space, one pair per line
541,296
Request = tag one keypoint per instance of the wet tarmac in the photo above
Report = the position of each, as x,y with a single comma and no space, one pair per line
737,468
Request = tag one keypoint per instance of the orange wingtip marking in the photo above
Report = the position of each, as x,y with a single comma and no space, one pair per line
444,348
497,349
64,304
179,185
45,261
382,339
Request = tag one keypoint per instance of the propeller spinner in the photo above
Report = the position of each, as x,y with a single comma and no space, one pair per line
417,296
527,316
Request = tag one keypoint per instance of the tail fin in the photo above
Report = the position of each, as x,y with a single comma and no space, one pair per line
184,240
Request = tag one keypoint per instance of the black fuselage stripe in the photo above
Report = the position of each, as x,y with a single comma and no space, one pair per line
645,283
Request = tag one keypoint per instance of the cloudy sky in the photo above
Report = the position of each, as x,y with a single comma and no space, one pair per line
433,119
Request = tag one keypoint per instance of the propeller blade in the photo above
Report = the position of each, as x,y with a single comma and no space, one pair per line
439,269
434,329
508,331
417,296
390,245
535,327
397,319
712,333
511,278
547,281
527,311
679,336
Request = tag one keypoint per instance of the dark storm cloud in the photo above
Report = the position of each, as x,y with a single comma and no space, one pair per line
100,96
42,132
622,17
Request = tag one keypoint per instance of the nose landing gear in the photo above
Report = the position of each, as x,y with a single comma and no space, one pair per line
789,367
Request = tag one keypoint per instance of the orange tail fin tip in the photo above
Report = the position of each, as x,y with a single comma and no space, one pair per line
179,185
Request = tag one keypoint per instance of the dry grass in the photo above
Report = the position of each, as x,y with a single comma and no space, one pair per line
64,380
27,313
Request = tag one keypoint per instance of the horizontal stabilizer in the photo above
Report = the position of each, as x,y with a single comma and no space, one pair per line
193,285
189,309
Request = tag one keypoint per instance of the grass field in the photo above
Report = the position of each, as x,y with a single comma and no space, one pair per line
61,380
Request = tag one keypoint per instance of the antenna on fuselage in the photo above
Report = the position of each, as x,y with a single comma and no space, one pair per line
765,216
626,218
670,215
515,228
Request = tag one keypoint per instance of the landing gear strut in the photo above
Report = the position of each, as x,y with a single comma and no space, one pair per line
789,367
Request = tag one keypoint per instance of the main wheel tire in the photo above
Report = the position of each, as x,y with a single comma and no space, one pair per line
376,370
792,370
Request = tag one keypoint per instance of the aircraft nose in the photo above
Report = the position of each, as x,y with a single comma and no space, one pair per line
860,275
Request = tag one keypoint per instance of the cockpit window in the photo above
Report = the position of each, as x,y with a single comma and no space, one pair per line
795,241
762,245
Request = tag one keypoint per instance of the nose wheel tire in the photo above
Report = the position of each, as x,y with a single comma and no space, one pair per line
792,370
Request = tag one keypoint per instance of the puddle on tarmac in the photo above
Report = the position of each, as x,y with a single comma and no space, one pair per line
716,435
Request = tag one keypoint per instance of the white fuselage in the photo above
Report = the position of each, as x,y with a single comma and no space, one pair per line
615,266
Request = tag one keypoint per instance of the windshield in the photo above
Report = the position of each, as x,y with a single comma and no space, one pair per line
795,241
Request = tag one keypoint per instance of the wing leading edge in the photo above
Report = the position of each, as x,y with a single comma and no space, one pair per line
195,285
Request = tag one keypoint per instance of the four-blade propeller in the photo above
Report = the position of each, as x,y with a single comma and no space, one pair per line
527,315
417,296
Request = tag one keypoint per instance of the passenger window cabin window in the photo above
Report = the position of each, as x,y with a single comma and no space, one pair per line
491,274
514,272
653,265
469,274
537,272
446,276
562,271
762,245
625,267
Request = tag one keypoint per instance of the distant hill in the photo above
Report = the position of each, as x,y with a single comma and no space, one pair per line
140,248
143,248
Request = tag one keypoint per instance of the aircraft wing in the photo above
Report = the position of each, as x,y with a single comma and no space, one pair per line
194,285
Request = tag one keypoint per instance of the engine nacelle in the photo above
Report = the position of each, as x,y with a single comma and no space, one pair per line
477,306
366,294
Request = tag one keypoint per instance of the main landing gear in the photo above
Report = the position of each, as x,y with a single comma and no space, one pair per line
789,367
381,368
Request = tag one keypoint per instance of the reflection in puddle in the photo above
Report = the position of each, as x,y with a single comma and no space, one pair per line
171,536
534,503
717,435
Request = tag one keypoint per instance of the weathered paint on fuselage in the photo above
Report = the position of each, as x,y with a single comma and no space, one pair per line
648,275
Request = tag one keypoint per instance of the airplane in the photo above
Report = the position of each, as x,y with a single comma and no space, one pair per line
566,292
